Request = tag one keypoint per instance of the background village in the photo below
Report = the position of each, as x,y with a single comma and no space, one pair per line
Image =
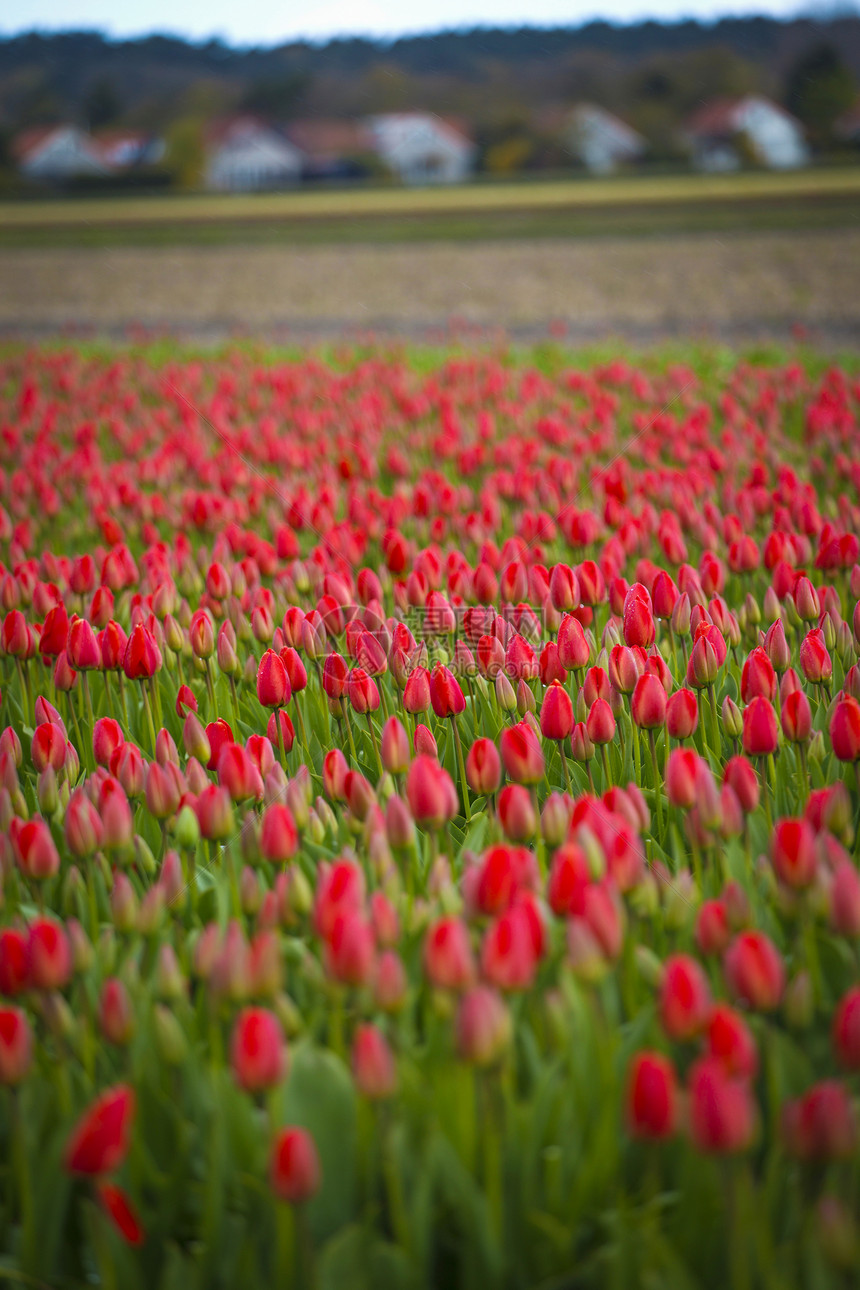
717,102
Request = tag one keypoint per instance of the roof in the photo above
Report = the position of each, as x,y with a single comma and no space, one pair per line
30,140
230,128
847,125
113,145
608,120
397,122
720,118
330,139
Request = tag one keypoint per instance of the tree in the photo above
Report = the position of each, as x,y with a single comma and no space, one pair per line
274,97
819,88
101,104
186,153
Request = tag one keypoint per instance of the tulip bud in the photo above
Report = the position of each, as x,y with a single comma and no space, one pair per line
16,1046
258,1050
294,1167
484,1027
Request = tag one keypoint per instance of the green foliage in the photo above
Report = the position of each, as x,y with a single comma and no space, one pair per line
819,88
185,153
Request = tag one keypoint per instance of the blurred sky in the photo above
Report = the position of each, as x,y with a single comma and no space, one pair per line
273,21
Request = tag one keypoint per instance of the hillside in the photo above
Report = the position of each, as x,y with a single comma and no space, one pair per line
494,78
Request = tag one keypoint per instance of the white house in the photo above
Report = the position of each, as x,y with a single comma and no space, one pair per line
126,149
601,141
421,148
57,152
722,131
246,155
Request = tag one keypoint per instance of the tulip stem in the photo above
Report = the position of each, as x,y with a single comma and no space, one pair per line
765,792
25,689
462,764
286,1245
150,723
88,708
605,759
347,723
375,744
280,733
234,699
92,899
804,766
24,1181
566,768
124,706
303,734
210,690
658,787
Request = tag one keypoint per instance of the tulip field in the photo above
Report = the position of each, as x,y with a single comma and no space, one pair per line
429,820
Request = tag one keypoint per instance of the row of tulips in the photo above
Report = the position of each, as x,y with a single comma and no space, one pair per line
445,872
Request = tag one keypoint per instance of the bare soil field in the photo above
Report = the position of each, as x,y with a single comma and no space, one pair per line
741,285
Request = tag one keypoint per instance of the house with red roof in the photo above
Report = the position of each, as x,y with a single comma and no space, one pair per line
332,149
422,148
725,132
55,153
601,140
245,154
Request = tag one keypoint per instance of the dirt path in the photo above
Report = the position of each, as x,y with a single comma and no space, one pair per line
757,284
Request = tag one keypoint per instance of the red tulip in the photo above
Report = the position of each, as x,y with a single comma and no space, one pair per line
730,1040
258,1050
722,1113
846,1029
117,1206
288,733
484,1026
142,656
447,955
638,621
107,737
793,852
682,714
273,686
279,837
556,714
362,692
294,1166
373,1065
754,971
845,729
446,695
712,927
483,767
16,1046
761,728
796,717
82,648
508,956
517,813
349,949
430,792
820,1125
573,650
394,747
648,703
815,661
14,962
100,1141
685,998
652,1097
600,723
34,849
